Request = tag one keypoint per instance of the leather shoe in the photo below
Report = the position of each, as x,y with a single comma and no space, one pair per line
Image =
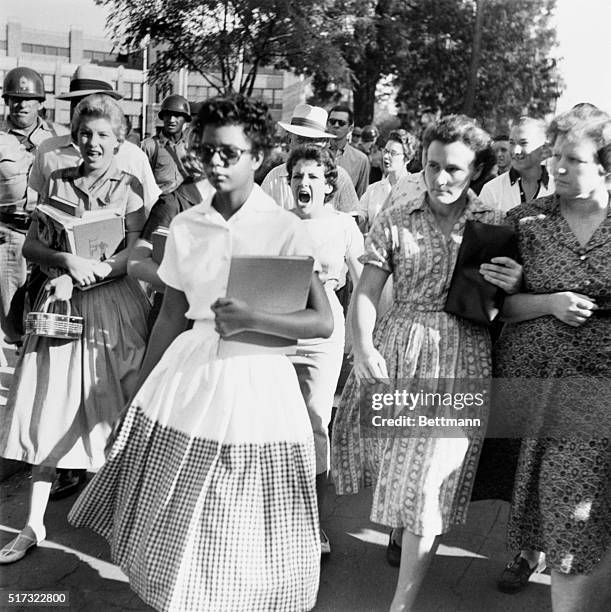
17,548
517,573
66,483
393,552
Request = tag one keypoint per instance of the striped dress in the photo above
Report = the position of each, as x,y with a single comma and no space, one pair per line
422,483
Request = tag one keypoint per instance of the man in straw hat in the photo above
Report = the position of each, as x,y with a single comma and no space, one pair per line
61,152
308,127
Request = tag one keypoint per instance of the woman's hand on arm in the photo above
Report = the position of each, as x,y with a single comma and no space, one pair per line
368,362
574,309
315,321
503,272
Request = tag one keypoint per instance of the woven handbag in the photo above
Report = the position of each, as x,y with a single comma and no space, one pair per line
54,325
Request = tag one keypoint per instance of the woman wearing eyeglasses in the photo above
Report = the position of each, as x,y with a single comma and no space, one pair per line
208,495
396,154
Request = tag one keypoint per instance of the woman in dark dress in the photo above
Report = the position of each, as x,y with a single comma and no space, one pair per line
559,336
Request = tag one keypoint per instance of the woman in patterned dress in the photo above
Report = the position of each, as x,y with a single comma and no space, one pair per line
559,333
68,394
208,495
422,482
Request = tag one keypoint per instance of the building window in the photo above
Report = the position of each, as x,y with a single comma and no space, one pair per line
64,116
99,56
45,50
49,80
136,91
198,93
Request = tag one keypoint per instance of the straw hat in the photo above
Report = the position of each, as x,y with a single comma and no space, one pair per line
308,121
87,80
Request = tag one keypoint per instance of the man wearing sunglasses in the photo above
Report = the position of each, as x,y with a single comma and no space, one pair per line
341,123
307,127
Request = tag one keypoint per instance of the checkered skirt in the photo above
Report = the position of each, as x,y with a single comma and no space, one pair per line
212,522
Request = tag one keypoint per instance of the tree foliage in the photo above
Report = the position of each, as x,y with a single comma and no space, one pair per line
492,58
229,38
427,45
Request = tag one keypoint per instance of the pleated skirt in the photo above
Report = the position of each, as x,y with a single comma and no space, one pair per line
208,496
66,395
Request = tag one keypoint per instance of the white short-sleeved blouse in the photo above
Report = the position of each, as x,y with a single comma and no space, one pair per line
201,244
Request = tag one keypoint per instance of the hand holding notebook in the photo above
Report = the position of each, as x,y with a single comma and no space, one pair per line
275,285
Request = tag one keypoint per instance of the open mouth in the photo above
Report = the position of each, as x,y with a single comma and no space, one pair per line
304,196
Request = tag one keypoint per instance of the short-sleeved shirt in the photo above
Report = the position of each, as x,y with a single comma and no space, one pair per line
114,190
166,158
201,243
405,241
19,159
171,204
356,164
373,199
546,243
333,237
504,191
276,184
61,152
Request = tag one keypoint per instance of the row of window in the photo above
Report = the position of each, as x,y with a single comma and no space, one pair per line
45,50
272,97
99,56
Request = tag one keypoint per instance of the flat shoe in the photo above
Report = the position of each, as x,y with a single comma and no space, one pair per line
393,552
516,575
17,548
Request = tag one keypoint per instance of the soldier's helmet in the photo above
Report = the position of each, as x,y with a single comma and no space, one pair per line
23,82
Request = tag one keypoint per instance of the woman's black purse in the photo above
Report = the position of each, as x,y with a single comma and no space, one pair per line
470,295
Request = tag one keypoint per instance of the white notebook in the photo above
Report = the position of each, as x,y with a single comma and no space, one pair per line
274,284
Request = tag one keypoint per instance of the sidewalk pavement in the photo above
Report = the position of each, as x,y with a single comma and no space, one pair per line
355,577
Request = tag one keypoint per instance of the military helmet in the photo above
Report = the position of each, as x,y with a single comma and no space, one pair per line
369,133
175,104
23,82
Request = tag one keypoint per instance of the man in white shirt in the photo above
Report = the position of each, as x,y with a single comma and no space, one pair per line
527,178
307,127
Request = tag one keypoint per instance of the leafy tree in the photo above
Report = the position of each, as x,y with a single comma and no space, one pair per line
369,34
229,38
513,71
489,58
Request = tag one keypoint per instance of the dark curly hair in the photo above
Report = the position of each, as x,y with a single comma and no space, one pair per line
236,109
585,122
459,128
322,157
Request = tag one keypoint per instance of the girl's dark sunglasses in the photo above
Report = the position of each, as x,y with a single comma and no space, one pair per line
229,155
